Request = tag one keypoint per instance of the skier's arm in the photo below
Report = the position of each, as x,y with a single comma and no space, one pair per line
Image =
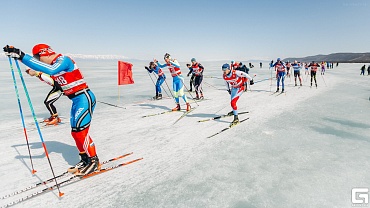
190,71
46,78
161,65
201,68
243,74
63,64
175,63
228,87
149,70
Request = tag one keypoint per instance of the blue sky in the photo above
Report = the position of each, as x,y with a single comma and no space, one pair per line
207,30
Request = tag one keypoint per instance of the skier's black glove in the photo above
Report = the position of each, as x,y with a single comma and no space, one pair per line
251,82
147,68
13,52
229,91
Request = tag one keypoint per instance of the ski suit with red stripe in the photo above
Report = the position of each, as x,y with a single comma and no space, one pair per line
65,72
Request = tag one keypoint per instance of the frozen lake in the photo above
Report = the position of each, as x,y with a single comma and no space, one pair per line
306,148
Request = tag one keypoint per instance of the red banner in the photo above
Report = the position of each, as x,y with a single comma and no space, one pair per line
125,73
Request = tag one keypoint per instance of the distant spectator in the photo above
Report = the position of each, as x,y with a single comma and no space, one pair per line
363,70
260,64
368,70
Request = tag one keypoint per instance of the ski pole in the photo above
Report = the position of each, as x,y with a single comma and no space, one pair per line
170,91
188,91
37,125
161,85
250,89
270,78
323,80
151,79
117,106
210,85
21,113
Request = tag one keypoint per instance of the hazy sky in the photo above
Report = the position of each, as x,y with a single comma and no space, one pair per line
207,30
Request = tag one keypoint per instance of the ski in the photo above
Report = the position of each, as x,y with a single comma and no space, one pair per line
58,177
183,115
72,179
222,116
227,128
281,93
164,112
273,93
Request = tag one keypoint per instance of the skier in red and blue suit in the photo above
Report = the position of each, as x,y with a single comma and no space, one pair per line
280,74
235,83
65,72
177,82
161,78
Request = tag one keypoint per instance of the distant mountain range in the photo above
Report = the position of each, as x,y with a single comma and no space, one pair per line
336,57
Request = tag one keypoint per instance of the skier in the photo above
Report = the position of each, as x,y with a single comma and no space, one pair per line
198,70
178,80
314,67
161,78
368,70
52,96
363,70
242,67
288,65
65,72
306,70
297,73
280,74
235,86
234,64
245,69
191,78
322,68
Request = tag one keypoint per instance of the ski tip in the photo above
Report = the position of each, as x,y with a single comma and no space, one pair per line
34,171
61,194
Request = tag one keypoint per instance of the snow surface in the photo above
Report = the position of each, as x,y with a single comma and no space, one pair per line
306,148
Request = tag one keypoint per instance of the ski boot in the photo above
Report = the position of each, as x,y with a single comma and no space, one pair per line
201,97
188,107
277,90
282,90
48,119
230,113
177,108
92,165
159,97
54,121
84,161
235,121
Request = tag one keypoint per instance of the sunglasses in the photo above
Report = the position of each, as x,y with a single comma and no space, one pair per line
224,69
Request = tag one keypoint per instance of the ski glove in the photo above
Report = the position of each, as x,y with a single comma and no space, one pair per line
251,82
13,52
147,68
